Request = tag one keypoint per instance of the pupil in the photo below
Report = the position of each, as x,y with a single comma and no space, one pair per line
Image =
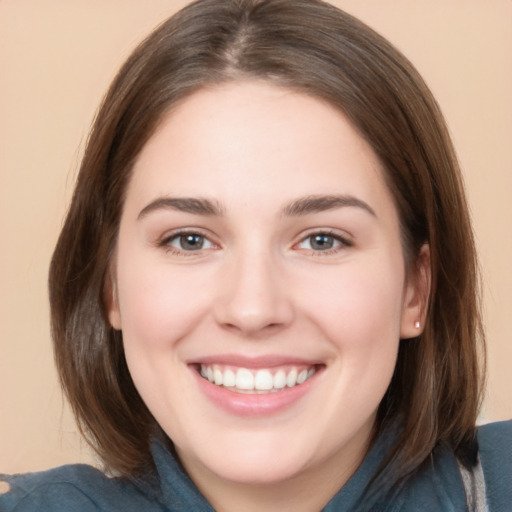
322,242
191,242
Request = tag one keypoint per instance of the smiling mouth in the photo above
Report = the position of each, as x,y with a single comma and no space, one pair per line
261,381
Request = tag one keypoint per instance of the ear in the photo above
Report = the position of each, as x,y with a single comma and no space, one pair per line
416,295
111,301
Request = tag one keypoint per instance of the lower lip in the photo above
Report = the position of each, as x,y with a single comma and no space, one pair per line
253,405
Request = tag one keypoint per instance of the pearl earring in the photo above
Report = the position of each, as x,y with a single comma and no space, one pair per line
417,324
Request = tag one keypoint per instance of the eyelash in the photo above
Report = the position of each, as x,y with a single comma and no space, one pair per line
167,240
344,242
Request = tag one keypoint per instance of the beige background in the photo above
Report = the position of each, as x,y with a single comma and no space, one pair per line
56,59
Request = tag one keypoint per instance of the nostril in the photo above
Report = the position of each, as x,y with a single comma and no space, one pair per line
253,327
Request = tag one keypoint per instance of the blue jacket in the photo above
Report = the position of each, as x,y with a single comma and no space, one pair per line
439,487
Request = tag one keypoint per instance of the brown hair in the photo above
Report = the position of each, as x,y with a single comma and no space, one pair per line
312,47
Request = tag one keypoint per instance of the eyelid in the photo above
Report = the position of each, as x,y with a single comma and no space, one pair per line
168,237
344,240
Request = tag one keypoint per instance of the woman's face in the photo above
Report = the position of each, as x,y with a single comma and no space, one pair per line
259,283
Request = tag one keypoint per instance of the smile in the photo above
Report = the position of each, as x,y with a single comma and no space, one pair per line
261,381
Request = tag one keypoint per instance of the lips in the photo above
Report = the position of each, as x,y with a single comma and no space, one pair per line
255,387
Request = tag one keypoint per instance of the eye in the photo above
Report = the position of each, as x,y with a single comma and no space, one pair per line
188,242
323,242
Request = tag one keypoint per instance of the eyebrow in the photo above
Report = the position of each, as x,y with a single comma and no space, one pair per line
302,206
198,206
321,203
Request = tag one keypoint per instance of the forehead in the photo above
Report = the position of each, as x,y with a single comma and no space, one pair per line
256,139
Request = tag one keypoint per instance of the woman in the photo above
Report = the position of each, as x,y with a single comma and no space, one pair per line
264,296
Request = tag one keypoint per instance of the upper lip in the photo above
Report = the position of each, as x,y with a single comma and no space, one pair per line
266,361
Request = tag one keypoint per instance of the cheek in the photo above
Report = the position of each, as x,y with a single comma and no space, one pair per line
362,321
158,305
358,307
359,313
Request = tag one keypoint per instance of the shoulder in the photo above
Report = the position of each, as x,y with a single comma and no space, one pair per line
444,483
495,449
78,487
495,436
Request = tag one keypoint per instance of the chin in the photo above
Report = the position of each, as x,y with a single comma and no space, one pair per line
254,470
249,458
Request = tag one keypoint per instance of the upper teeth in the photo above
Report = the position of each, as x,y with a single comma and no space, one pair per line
245,380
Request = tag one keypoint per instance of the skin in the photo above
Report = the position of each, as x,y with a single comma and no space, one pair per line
258,288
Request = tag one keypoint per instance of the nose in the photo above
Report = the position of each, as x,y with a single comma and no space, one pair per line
252,298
